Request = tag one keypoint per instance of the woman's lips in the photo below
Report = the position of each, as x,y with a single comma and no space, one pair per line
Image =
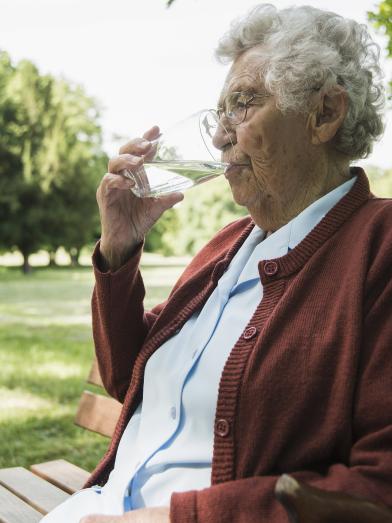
234,168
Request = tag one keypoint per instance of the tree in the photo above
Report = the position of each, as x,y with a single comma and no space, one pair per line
382,19
25,97
74,163
51,160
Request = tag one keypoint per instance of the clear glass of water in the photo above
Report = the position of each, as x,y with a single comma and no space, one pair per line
185,156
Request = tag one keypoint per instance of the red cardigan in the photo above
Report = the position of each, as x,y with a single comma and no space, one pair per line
306,389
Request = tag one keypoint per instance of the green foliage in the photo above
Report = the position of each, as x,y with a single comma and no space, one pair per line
204,210
382,19
51,160
380,181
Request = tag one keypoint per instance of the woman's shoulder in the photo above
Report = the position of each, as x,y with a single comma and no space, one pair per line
372,230
376,214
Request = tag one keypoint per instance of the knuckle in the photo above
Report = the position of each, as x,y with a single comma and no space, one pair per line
132,145
118,163
129,158
106,179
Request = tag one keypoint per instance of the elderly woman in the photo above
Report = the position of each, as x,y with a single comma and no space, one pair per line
272,353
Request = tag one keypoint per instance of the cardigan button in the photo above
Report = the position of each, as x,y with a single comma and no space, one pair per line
270,268
222,428
249,333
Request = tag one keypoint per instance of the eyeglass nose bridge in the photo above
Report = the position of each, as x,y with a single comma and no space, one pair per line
220,133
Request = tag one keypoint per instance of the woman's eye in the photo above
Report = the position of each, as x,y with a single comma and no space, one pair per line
241,104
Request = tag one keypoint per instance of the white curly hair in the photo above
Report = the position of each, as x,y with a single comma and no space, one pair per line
305,48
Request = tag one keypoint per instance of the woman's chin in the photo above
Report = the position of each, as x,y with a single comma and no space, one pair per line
241,194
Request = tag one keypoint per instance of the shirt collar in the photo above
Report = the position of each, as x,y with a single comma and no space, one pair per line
290,235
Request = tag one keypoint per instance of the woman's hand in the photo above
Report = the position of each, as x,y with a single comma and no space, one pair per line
145,515
126,218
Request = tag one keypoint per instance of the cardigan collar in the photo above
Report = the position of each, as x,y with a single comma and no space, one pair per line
297,257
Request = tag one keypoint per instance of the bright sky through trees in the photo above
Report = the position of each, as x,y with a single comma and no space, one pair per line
145,63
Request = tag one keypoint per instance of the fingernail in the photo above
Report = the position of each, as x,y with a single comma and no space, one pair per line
144,143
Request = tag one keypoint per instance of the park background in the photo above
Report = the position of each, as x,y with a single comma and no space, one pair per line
77,79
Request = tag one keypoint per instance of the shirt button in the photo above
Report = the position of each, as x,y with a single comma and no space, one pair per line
173,412
270,268
222,428
249,333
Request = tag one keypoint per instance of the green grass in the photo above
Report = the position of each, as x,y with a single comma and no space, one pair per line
46,350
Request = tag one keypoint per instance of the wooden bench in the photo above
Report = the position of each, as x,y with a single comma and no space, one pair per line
27,495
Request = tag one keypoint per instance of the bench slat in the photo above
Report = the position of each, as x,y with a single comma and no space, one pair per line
98,413
62,474
36,492
94,377
14,510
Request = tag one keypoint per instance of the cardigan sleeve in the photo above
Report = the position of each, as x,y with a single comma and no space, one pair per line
368,472
120,324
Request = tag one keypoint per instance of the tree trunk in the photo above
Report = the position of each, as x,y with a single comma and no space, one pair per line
26,267
52,259
74,254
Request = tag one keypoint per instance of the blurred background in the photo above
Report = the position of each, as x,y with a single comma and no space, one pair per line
78,79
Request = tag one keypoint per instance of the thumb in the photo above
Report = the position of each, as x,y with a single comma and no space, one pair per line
152,133
163,203
169,200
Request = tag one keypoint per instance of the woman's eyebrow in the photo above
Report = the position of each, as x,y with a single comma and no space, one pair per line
235,88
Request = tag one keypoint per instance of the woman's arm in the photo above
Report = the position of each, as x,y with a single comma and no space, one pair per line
119,322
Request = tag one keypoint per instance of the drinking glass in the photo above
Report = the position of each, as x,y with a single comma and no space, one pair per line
184,156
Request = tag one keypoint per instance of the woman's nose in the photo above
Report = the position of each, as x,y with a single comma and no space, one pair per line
223,136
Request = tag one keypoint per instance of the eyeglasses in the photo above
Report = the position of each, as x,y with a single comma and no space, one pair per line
236,105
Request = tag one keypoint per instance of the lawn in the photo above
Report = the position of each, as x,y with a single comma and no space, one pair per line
46,351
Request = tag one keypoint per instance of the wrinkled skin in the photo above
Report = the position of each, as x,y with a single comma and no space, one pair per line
125,218
288,157
289,163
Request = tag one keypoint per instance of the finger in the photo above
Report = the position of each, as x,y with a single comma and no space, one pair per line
141,145
166,201
169,200
124,162
152,133
113,181
137,146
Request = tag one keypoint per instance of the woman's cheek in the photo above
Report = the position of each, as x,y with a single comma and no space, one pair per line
249,138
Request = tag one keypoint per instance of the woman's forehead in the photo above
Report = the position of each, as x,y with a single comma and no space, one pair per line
244,73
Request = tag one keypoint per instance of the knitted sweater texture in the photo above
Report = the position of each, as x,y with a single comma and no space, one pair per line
306,389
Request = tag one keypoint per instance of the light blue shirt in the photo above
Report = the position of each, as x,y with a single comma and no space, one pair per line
168,443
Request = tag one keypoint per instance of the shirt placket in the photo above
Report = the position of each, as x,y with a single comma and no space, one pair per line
172,407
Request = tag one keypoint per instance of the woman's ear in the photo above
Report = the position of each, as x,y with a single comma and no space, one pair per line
326,119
